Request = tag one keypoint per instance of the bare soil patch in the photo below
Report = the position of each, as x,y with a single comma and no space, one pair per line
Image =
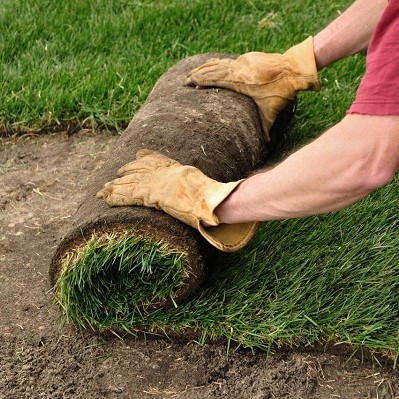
42,180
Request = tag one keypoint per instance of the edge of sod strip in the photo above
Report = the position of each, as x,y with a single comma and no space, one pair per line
112,276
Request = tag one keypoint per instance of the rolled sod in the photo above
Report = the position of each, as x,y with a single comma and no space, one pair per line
117,261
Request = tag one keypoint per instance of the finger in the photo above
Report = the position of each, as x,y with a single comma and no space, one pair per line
134,166
105,191
209,81
147,161
100,194
210,74
121,199
144,152
124,183
115,195
210,62
219,78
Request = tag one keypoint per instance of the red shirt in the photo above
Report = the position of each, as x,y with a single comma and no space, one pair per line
378,93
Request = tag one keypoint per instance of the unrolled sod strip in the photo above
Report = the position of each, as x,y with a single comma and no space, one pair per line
114,260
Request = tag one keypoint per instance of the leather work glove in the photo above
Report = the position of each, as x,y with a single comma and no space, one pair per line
271,80
184,192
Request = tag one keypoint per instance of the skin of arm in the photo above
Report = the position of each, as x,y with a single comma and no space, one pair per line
349,33
343,165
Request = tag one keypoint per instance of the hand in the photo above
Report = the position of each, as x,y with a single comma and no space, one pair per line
184,192
271,80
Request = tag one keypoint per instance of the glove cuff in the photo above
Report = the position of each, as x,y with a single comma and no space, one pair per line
302,57
226,237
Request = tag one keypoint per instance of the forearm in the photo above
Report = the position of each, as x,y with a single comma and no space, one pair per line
340,167
349,33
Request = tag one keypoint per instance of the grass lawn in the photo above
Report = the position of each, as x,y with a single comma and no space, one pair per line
95,61
327,278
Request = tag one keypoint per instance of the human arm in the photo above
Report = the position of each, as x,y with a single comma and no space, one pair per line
343,165
349,33
273,80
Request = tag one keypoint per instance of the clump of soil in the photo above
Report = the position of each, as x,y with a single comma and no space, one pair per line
42,180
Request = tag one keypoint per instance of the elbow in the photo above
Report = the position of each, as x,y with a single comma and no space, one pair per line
378,164
373,153
377,176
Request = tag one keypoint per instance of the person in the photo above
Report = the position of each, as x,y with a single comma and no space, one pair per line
343,165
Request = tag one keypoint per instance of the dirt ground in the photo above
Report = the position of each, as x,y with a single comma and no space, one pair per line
42,180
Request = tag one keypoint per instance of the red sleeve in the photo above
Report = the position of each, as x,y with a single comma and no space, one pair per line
378,93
